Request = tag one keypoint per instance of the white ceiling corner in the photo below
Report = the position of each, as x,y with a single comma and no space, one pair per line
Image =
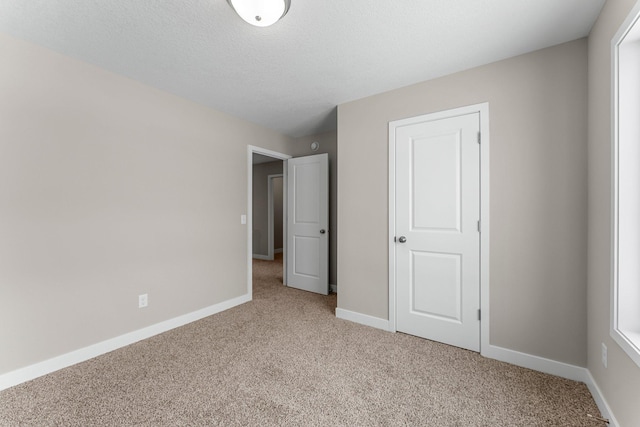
290,77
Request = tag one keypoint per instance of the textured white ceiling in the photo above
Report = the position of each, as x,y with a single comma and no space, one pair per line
291,76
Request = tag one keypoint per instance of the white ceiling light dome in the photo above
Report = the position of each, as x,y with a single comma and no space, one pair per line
260,13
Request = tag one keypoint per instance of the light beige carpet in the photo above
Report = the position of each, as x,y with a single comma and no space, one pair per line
285,359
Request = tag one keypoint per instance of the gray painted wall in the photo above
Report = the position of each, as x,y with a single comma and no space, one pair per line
620,381
261,203
278,214
538,114
110,189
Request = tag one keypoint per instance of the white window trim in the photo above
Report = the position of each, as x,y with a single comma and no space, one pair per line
628,340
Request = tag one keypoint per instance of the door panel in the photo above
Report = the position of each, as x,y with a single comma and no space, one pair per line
308,223
437,210
306,252
306,200
436,182
439,280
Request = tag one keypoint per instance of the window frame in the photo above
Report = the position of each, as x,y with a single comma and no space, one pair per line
628,338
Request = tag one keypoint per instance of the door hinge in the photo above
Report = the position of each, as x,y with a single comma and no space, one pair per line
479,315
479,138
479,226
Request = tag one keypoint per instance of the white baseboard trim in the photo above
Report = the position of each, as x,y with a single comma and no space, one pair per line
262,257
277,251
603,406
541,364
39,369
363,319
334,289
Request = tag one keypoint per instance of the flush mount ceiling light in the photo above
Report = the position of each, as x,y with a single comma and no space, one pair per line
260,13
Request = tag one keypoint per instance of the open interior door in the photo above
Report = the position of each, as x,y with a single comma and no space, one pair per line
308,223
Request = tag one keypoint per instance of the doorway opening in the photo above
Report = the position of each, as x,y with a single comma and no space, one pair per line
305,213
267,178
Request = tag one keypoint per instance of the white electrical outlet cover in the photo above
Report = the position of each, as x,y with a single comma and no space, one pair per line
143,300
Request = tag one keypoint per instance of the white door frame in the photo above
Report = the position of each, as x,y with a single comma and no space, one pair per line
270,211
277,156
483,110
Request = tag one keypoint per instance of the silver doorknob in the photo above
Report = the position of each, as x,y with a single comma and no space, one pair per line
402,239
322,231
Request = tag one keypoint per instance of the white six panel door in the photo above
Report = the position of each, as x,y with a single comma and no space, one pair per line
437,213
307,223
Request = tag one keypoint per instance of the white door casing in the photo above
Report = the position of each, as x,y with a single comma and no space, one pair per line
437,213
308,223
